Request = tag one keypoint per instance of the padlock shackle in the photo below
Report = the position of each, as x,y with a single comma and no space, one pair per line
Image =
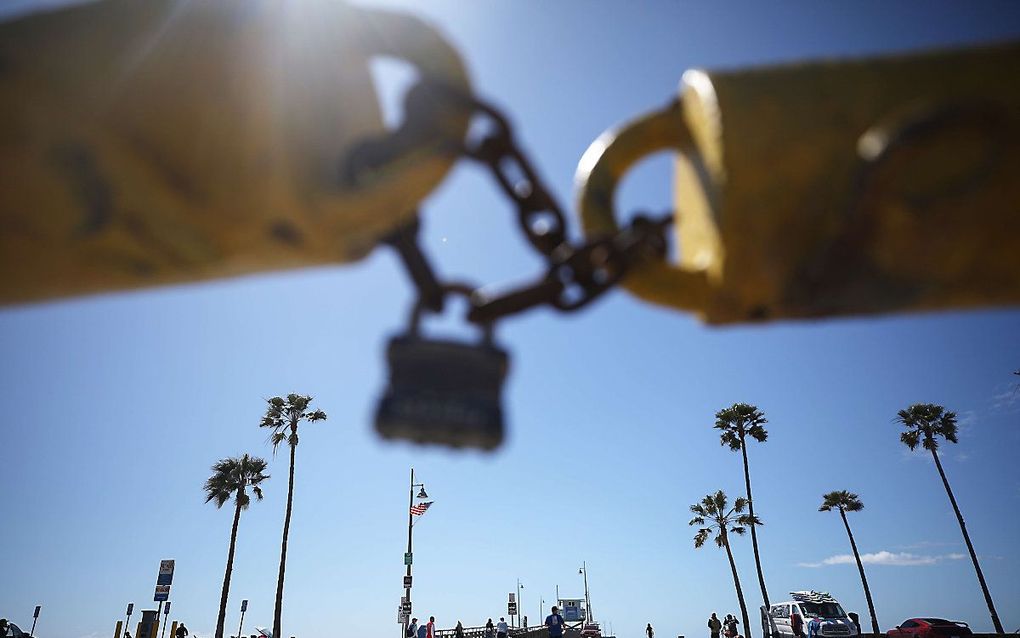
421,306
600,171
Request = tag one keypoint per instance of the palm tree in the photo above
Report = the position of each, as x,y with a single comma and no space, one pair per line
283,417
736,423
712,515
848,502
230,478
925,422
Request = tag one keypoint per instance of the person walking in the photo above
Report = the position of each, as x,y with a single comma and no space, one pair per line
431,633
501,628
458,631
554,622
412,629
490,630
182,631
649,631
714,625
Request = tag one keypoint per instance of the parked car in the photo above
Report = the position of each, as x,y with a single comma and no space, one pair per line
813,607
931,628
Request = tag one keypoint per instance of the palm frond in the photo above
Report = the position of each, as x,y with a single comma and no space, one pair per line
758,433
718,501
701,537
731,439
747,519
910,438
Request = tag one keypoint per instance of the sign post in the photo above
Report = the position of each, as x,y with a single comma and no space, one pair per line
35,619
244,608
127,623
166,617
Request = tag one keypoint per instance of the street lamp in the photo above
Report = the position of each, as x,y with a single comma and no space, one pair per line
520,604
587,599
409,558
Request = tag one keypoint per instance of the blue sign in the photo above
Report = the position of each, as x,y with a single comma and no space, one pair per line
166,572
162,593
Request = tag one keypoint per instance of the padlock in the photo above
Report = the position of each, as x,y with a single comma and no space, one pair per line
831,188
147,142
442,391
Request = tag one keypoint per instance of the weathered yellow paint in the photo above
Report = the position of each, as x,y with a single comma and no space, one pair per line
154,142
116,631
834,188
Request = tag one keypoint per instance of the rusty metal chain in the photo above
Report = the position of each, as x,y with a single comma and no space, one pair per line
576,274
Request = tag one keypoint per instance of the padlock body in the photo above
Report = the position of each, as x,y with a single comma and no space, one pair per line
443,392
791,218
149,143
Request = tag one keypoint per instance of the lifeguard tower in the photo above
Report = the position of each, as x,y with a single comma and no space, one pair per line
573,611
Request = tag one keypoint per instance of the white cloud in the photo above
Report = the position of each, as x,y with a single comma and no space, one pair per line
896,559
1007,400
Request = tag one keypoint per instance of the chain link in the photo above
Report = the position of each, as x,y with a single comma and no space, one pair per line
575,276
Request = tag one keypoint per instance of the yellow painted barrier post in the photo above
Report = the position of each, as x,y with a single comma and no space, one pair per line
116,631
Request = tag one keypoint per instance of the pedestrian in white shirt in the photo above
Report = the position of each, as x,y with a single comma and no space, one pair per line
501,629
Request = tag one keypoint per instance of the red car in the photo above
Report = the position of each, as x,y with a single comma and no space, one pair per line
930,628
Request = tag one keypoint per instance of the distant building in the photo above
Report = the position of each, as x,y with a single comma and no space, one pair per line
572,609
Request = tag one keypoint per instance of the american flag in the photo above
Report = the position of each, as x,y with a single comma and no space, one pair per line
420,508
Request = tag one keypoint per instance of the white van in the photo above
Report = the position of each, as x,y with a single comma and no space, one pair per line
821,613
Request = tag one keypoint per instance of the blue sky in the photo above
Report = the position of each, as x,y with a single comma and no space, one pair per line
118,404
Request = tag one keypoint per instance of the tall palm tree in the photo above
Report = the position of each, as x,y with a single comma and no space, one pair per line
713,517
283,417
925,422
844,502
231,478
736,423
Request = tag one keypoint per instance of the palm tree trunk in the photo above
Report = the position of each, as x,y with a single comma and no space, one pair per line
864,579
740,592
278,614
754,536
970,547
230,568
